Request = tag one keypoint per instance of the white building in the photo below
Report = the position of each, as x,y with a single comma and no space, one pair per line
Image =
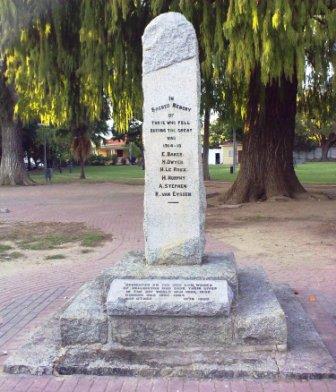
215,156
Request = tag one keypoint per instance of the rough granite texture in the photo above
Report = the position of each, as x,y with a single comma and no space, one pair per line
258,313
169,297
84,321
174,201
167,40
171,331
307,357
256,319
41,352
215,266
304,343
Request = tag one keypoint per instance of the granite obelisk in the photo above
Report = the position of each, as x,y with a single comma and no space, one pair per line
174,189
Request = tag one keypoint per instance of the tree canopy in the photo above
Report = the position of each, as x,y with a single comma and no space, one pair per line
99,42
76,54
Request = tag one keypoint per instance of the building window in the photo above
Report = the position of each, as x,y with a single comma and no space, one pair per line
230,153
120,153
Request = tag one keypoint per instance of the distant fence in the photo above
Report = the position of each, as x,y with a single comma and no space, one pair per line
313,155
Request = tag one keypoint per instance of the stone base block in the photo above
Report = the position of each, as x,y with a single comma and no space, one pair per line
306,358
250,342
84,321
159,331
256,316
256,319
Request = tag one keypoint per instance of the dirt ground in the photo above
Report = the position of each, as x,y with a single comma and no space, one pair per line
25,245
283,236
295,240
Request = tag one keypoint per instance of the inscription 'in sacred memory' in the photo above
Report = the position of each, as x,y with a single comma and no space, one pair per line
168,296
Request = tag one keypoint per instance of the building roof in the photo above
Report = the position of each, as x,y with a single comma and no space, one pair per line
114,143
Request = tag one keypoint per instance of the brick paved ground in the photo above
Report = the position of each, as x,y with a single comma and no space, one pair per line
29,296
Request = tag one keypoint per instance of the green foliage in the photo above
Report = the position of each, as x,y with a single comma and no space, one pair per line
80,51
55,257
77,54
4,248
316,120
93,239
98,160
278,35
222,131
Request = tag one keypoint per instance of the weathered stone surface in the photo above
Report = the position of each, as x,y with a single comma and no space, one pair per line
307,357
216,266
169,297
148,362
174,190
256,319
259,317
84,320
38,356
167,40
170,331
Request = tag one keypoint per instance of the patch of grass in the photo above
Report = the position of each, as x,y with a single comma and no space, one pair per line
308,173
5,248
124,174
47,236
49,242
16,255
93,239
11,256
84,251
317,172
55,257
255,218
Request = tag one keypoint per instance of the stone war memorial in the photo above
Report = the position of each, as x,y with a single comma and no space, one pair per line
172,309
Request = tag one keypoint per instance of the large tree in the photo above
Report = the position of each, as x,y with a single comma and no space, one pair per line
53,65
15,15
84,50
87,49
270,45
12,168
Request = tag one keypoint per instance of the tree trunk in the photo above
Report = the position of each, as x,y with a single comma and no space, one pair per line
267,168
326,144
12,169
206,172
82,169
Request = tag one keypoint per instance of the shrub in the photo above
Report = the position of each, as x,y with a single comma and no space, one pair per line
97,160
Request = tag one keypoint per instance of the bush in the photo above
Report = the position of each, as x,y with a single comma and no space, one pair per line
114,159
97,160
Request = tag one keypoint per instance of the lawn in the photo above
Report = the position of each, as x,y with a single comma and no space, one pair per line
125,174
308,173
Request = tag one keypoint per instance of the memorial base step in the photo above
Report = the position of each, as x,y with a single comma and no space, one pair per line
256,317
306,357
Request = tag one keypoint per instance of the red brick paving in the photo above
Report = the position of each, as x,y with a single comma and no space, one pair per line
28,297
